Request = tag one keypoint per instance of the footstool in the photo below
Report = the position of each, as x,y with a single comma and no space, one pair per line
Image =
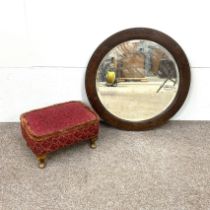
48,129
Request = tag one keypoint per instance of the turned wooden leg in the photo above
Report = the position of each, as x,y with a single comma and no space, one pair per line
93,143
42,162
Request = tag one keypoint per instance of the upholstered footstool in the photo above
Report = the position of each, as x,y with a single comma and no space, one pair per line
48,129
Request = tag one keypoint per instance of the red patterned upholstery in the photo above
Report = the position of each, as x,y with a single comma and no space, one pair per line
51,128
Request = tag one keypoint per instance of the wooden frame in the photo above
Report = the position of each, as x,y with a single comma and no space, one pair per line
126,35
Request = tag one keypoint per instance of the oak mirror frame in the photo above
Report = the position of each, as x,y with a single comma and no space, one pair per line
137,79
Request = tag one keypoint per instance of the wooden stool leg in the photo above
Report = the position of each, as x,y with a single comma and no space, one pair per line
42,162
93,143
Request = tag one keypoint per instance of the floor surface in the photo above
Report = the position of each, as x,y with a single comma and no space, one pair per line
165,168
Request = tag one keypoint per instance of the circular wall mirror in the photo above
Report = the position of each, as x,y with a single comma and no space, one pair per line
137,79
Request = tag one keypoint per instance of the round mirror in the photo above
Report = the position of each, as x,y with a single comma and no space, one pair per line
137,79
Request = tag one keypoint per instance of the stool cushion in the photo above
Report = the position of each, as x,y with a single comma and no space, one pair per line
58,117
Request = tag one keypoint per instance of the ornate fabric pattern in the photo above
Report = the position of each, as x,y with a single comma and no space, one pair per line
51,128
54,143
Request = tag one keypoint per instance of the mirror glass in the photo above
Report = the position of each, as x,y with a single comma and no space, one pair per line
137,80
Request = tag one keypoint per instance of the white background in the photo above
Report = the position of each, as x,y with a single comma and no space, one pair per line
45,46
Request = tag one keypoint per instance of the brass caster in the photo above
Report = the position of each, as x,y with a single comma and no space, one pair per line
42,165
41,160
93,143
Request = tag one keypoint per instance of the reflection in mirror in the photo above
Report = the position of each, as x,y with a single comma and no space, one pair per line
137,80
